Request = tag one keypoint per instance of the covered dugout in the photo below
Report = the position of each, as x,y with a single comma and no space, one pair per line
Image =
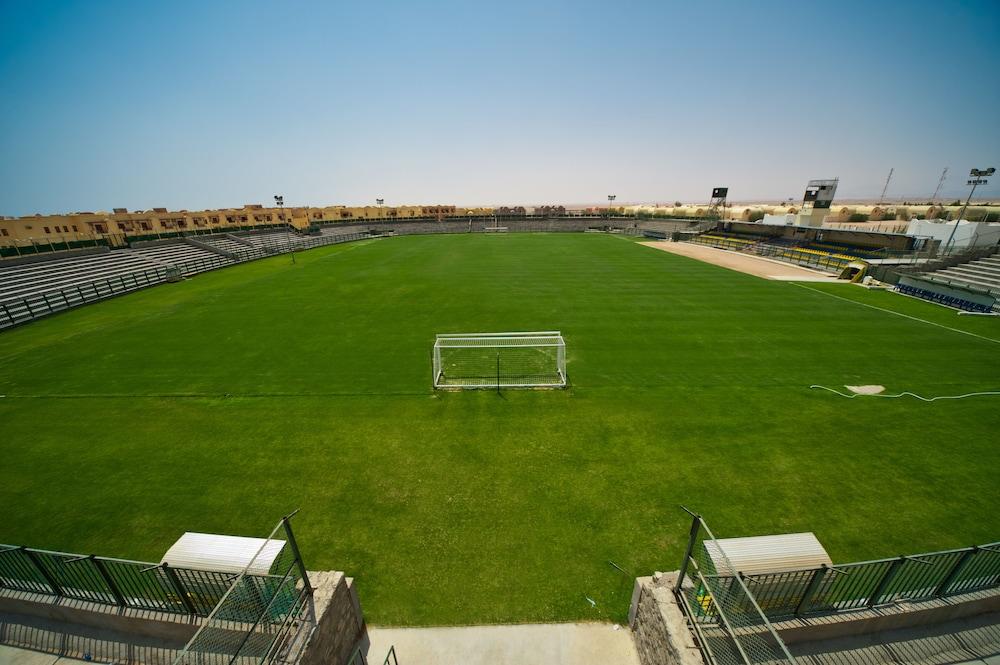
758,555
227,554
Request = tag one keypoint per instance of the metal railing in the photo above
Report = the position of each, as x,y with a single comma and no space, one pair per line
132,584
358,657
867,584
731,612
730,626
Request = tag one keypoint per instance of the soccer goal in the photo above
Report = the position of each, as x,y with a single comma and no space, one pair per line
500,360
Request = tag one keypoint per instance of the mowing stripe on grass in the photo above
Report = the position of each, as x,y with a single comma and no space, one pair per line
905,316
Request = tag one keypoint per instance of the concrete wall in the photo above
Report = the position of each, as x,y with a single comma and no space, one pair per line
967,234
659,628
340,625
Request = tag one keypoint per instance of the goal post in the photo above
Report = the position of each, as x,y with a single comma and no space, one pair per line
500,360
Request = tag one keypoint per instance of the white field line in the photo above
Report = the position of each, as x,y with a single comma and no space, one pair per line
905,316
987,393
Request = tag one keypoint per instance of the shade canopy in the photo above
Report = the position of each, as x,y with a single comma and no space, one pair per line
227,554
767,554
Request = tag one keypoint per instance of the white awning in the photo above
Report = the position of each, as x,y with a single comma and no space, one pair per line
227,554
767,554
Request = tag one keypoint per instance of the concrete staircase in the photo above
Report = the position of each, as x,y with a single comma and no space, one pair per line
979,275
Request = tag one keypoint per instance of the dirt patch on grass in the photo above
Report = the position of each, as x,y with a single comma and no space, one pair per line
751,265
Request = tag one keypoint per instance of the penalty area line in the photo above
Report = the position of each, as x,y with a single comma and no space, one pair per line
905,316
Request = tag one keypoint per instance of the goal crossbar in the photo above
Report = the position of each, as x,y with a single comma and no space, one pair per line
500,360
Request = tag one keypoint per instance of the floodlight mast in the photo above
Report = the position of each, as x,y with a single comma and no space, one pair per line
611,200
279,200
976,178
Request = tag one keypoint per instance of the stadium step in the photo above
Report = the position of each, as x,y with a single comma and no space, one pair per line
973,274
942,278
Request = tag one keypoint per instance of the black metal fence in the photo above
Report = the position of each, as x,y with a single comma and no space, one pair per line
132,584
867,584
731,612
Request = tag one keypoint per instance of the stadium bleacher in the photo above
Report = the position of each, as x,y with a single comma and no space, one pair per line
21,281
190,258
981,275
31,290
227,244
943,299
274,239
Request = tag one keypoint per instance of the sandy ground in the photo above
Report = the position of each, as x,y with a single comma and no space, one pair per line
752,265
529,644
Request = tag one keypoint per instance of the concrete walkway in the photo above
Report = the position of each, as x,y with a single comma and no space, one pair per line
14,656
528,644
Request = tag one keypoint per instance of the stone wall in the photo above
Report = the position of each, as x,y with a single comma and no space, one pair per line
658,626
340,625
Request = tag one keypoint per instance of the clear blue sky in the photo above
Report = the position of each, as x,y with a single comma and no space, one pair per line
201,104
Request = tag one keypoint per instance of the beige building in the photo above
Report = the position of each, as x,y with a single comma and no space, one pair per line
120,225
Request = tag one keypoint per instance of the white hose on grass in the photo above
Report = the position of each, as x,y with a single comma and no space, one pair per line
993,393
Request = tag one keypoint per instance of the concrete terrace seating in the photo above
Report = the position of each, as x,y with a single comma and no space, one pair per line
275,239
229,245
31,290
189,258
980,275
21,281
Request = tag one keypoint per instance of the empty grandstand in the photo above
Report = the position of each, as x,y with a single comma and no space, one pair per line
35,288
193,259
229,245
980,275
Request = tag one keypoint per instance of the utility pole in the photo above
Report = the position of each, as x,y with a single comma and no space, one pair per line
944,174
882,198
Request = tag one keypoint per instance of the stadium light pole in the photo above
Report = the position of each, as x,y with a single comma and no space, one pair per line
280,201
976,178
611,199
379,203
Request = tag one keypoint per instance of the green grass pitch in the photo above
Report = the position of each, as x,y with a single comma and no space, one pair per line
220,403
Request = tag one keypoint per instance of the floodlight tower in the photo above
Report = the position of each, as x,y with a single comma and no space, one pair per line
977,177
719,195
279,200
611,199
379,203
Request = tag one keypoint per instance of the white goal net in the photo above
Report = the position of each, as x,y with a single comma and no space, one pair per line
500,360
